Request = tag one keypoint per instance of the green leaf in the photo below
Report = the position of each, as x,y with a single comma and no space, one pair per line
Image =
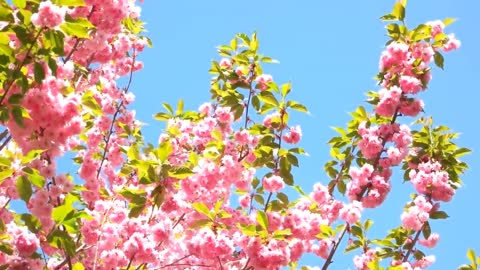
167,107
6,12
399,11
34,177
180,172
78,266
31,155
368,223
164,150
32,223
59,213
4,38
268,97
5,161
69,3
62,239
449,21
179,110
90,102
54,40
266,59
438,58
439,215
299,190
200,223
283,197
4,173
461,151
262,219
286,88
17,114
162,116
15,98
471,256
426,230
39,72
20,3
77,27
24,188
218,205
296,106
203,209
388,17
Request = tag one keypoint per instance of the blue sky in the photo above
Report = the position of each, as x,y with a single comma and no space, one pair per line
330,51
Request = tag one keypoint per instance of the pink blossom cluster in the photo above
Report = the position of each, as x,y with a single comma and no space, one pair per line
415,215
293,136
263,81
361,262
371,185
110,40
57,111
404,69
168,234
55,119
431,180
419,264
352,212
48,15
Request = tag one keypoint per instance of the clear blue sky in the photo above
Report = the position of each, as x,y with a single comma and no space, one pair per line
330,51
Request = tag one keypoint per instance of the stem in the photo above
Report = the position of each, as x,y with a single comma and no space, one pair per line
115,115
247,107
277,158
19,67
130,262
362,193
415,239
78,40
5,143
65,261
246,264
334,183
334,249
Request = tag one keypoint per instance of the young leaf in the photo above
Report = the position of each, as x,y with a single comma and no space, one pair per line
24,188
262,219
203,209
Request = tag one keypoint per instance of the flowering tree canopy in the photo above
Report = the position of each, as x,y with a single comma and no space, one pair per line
211,194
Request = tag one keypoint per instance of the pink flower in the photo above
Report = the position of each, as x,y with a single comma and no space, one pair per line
269,117
49,15
352,212
411,107
262,81
244,200
437,27
224,115
431,241
273,183
452,43
410,85
293,136
226,63
389,101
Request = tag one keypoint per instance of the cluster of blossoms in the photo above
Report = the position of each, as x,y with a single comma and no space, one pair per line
404,72
54,120
416,215
48,15
172,207
371,185
429,179
64,105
